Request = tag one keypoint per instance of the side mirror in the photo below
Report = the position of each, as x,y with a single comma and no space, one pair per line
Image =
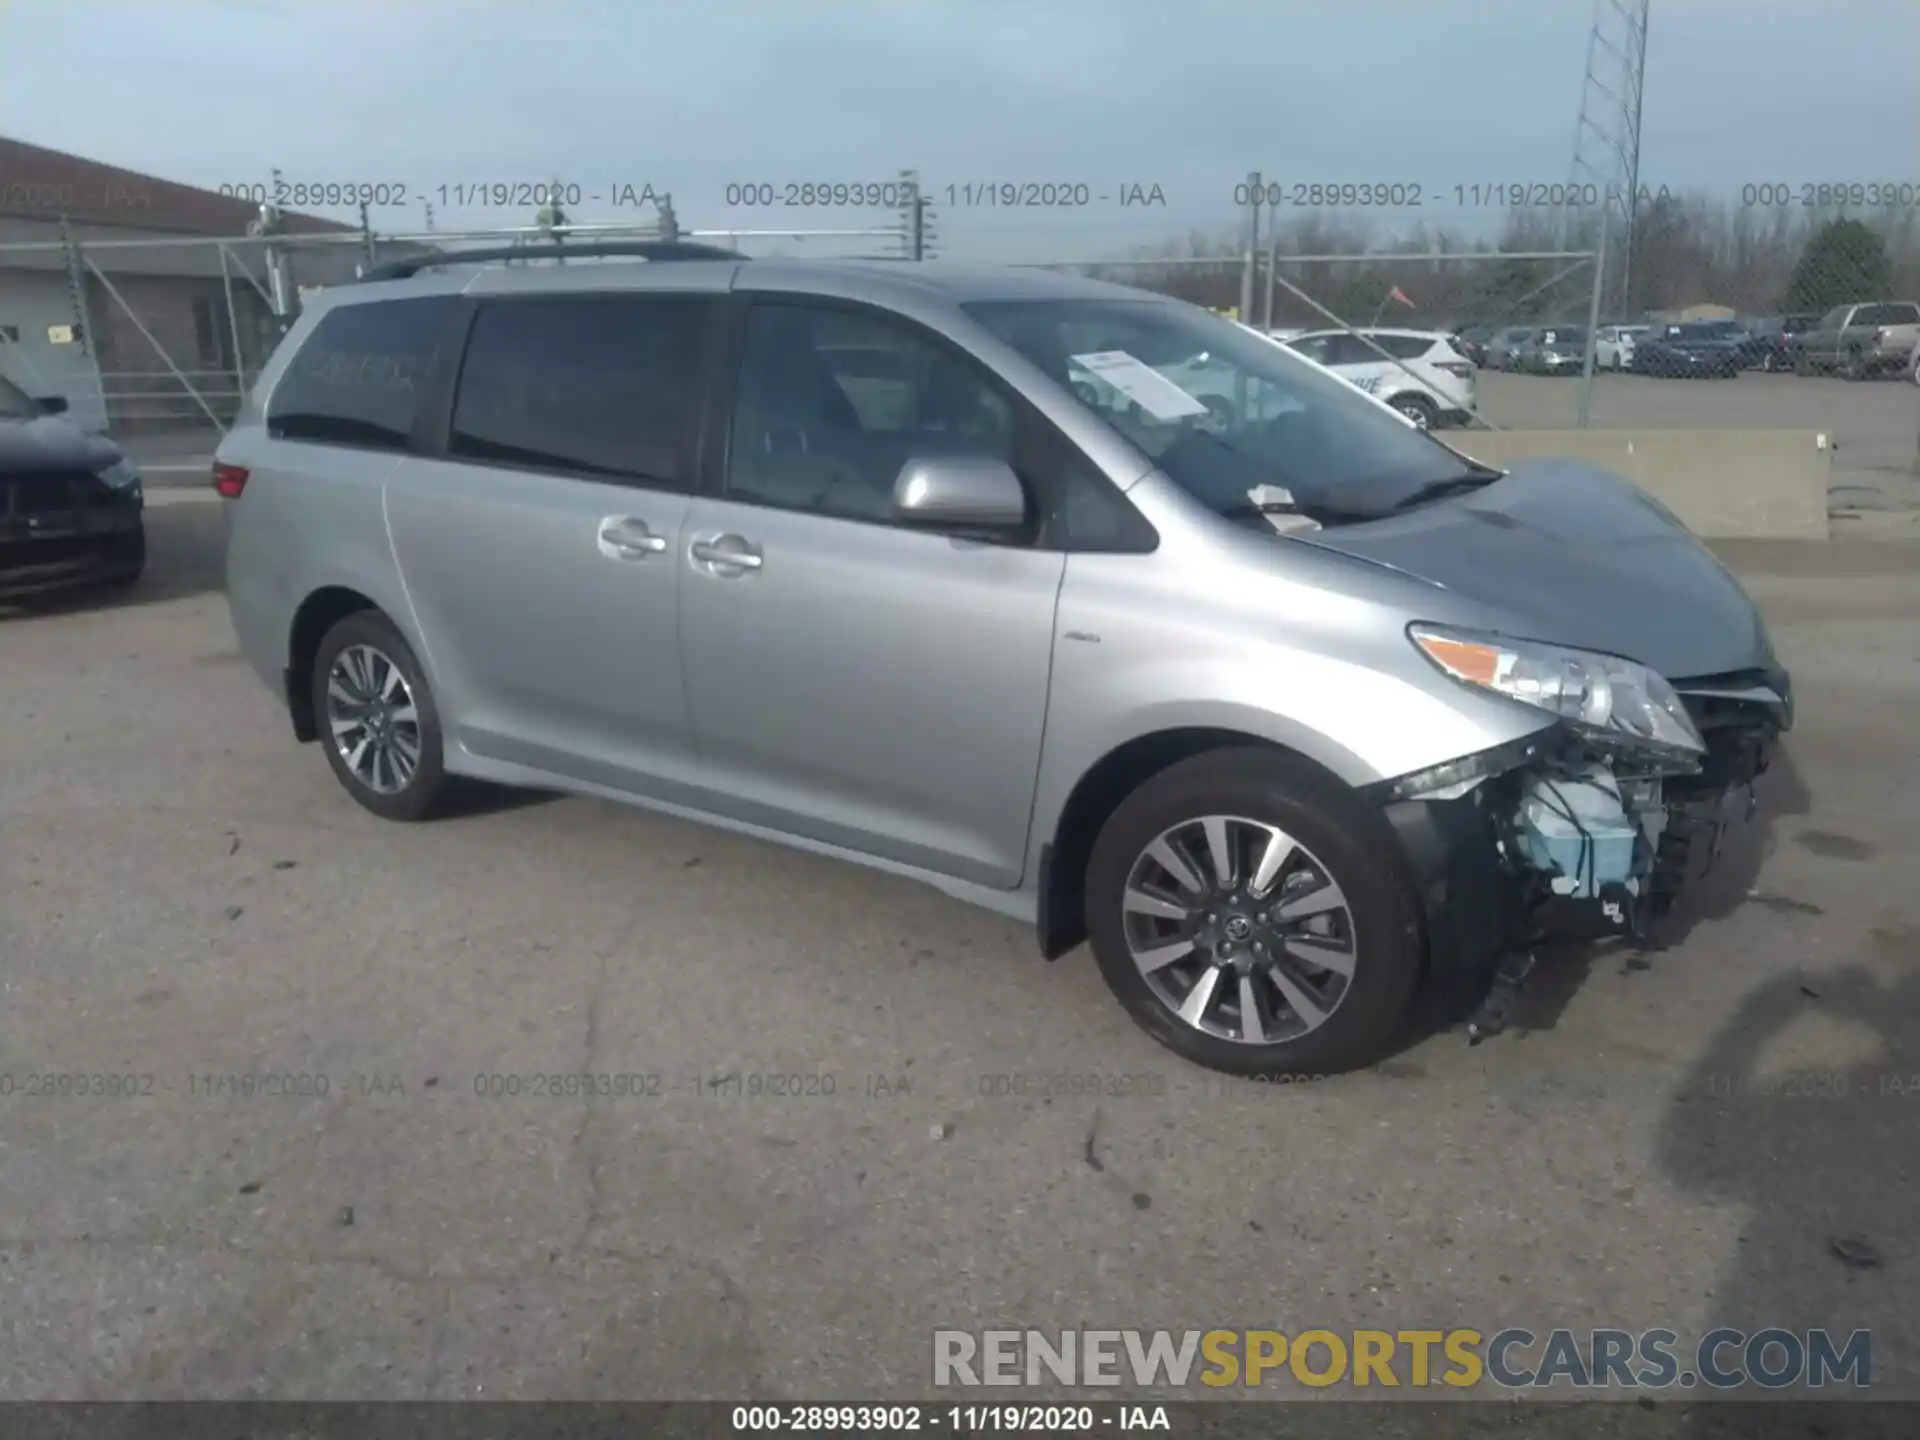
52,404
959,492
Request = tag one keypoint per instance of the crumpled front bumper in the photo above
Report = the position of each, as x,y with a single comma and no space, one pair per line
1485,900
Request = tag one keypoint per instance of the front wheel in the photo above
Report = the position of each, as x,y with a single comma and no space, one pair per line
1855,367
1416,408
1253,915
377,719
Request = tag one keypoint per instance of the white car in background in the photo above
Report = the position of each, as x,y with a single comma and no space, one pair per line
1427,379
1613,346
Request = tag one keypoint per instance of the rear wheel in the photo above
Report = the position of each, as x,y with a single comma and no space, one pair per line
1252,914
1416,408
378,720
1854,367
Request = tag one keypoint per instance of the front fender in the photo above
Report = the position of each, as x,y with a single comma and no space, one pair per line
1361,724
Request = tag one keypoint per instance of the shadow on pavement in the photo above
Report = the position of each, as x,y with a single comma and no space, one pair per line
1816,1136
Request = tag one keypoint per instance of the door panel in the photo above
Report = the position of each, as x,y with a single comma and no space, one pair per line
550,617
538,540
867,686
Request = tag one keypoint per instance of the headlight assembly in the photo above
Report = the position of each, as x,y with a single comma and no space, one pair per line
1603,696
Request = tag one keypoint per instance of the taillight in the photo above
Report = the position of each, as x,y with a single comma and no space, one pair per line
229,480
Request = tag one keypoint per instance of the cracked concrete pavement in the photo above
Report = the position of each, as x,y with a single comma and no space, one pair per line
186,893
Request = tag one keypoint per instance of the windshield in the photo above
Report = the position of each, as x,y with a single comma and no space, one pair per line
1563,335
1224,412
15,404
1713,330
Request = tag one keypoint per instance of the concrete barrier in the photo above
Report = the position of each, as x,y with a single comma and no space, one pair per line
1725,484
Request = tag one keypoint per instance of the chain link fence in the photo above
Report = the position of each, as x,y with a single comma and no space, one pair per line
1536,326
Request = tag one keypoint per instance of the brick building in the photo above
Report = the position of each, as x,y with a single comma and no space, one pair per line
101,345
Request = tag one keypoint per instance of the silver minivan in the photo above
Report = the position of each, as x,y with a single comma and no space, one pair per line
1290,710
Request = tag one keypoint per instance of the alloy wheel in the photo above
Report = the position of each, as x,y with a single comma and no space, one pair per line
373,719
1239,930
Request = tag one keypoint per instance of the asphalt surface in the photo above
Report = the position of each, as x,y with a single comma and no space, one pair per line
1726,1132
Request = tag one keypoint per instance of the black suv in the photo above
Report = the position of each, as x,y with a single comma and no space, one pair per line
71,509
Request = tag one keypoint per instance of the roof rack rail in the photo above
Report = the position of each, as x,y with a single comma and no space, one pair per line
592,249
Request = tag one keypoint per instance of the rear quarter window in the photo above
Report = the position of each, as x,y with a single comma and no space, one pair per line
1404,347
592,385
358,378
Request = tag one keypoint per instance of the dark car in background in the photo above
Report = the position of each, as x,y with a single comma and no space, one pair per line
71,509
1472,342
1553,350
1504,344
1776,340
1711,348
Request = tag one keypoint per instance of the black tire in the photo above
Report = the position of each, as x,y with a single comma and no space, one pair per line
429,786
1854,367
1418,409
1802,366
1347,836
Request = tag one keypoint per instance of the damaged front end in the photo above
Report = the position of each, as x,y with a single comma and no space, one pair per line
1589,828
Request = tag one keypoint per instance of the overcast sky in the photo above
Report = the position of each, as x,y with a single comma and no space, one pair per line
1188,96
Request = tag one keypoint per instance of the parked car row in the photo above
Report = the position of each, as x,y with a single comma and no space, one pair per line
1855,341
1420,373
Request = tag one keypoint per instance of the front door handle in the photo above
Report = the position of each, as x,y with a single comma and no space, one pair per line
626,537
726,552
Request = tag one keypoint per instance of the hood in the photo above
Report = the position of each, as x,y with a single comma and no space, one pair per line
52,443
1573,555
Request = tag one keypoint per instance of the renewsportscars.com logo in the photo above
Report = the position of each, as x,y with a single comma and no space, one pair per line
1513,1359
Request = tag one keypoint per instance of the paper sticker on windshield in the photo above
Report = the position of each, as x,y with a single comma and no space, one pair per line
1146,387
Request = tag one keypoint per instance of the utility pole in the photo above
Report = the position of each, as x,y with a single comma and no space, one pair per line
1585,415
917,231
82,314
266,226
551,219
1250,259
